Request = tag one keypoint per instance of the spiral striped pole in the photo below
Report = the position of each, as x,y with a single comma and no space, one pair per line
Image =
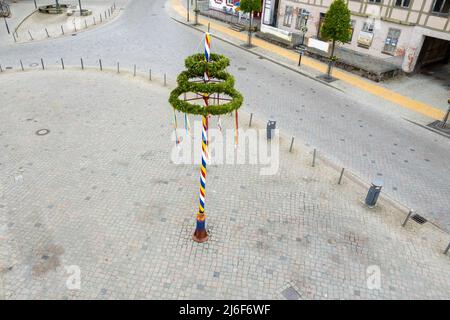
200,234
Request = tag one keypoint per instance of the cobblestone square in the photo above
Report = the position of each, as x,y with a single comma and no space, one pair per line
99,192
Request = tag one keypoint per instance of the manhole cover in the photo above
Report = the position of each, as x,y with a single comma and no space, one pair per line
419,219
42,132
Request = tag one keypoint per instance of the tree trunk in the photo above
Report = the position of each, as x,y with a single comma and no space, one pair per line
330,64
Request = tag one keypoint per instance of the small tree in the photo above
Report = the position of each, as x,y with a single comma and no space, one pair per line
336,27
250,6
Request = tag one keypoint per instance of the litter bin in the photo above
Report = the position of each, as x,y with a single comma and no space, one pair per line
374,192
270,127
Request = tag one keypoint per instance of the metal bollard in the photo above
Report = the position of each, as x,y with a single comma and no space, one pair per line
21,65
62,63
448,248
374,192
342,174
118,68
101,20
42,63
150,74
271,125
445,119
407,218
165,80
250,122
134,72
314,158
100,62
82,64
292,144
1,70
14,37
94,20
85,24
62,29
31,37
46,31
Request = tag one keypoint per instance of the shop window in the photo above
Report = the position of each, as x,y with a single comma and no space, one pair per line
391,41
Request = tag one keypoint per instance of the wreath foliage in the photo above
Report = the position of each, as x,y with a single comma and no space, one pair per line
196,66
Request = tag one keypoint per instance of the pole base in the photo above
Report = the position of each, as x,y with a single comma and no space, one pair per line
200,236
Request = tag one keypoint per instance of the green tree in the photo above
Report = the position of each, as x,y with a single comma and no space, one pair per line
250,6
336,27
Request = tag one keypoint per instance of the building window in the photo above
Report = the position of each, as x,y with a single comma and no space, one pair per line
402,3
230,2
288,16
368,27
441,6
301,21
319,30
352,29
391,41
375,1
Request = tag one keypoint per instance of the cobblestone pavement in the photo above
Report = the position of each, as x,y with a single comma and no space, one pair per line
99,192
366,135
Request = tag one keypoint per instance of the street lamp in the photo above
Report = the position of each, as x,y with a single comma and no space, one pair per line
304,16
187,10
196,12
79,2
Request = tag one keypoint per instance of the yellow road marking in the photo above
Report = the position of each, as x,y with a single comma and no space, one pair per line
355,81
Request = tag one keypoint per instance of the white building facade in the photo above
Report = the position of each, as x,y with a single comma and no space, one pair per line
414,32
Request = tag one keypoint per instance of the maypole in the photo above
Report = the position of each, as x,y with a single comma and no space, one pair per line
200,234
207,90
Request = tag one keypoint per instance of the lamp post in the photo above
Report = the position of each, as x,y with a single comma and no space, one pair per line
196,12
187,10
305,15
79,3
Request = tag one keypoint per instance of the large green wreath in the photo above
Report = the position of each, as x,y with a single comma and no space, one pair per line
196,66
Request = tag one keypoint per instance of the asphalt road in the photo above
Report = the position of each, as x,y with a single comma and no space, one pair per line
370,140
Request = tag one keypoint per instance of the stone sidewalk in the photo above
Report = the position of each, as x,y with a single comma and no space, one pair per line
99,192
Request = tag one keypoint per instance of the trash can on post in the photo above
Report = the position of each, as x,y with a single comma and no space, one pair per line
270,127
374,192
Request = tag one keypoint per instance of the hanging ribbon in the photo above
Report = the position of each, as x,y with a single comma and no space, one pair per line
236,135
175,126
187,125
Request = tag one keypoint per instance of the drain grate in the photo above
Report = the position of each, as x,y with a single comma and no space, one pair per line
419,219
439,125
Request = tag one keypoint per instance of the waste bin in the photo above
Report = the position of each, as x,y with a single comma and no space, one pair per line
374,192
270,127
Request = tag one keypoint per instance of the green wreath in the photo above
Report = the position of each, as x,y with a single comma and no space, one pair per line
196,67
